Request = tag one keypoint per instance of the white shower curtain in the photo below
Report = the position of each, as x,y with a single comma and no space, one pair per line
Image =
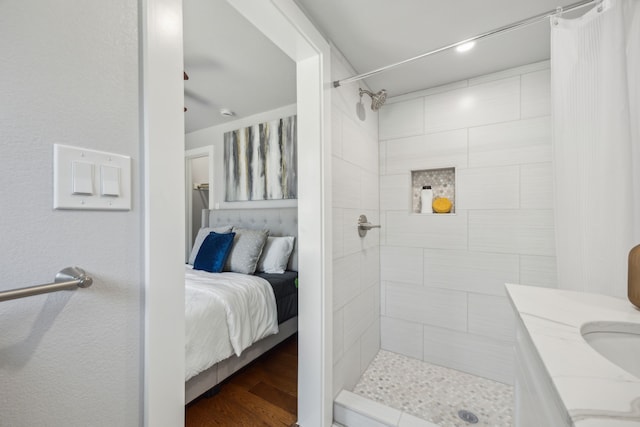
595,87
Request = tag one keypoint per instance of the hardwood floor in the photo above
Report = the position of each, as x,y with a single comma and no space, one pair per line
261,394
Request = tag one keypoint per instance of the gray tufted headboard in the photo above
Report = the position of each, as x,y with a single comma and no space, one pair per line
279,222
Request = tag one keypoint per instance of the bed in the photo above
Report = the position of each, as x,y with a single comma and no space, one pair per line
264,288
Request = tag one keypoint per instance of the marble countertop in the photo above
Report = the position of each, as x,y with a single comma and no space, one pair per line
594,391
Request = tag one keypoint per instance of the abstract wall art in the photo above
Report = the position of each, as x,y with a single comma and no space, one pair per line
261,161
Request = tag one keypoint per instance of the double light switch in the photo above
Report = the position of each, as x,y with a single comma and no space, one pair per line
90,179
82,179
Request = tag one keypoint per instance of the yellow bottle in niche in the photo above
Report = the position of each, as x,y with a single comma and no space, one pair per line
634,276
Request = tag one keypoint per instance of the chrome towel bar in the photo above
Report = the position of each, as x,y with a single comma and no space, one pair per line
67,279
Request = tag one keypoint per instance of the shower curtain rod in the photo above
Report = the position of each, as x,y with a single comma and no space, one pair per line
504,29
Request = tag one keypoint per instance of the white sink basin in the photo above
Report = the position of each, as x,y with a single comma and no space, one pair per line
617,341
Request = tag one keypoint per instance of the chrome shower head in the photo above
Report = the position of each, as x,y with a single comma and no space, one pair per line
377,99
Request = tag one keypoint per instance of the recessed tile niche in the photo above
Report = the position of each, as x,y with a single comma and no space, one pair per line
442,182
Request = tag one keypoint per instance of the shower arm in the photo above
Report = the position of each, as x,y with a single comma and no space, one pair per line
504,29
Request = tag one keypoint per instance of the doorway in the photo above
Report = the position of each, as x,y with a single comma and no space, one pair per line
199,173
284,23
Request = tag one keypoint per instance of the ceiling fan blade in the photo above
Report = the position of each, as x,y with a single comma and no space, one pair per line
196,97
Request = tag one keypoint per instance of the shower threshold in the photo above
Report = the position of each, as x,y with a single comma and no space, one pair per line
433,394
353,410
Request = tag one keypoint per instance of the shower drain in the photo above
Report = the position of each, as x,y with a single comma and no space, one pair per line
467,416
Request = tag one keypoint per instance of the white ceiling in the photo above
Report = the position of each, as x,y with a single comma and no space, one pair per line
232,65
376,33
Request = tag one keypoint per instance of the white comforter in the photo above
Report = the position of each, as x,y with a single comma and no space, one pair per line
224,314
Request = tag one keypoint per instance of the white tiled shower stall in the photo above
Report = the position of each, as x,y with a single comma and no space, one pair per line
439,296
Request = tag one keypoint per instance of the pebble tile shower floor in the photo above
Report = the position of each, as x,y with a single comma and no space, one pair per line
434,393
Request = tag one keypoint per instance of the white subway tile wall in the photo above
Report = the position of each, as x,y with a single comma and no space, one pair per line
402,337
536,94
356,260
536,186
338,334
401,264
521,231
538,271
491,316
489,188
463,270
471,353
492,102
431,306
516,142
442,292
404,119
358,316
338,232
370,340
429,151
346,279
346,184
371,268
346,369
426,231
395,192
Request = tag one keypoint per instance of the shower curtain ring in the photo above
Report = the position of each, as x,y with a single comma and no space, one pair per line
558,13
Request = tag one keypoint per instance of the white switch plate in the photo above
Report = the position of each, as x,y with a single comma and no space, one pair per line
64,157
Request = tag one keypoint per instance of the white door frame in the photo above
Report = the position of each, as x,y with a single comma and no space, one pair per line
164,218
162,103
189,155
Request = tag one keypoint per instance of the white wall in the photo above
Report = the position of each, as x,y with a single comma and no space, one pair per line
199,198
200,170
215,136
69,75
356,271
443,276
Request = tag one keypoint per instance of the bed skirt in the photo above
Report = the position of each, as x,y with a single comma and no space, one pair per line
216,374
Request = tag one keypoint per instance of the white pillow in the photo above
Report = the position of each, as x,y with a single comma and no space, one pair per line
202,234
275,255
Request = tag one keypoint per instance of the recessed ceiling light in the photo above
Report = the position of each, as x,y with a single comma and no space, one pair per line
225,112
465,47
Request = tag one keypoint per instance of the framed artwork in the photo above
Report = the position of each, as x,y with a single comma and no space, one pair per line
261,161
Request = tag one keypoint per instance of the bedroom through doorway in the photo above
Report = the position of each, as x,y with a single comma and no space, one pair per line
285,24
241,119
